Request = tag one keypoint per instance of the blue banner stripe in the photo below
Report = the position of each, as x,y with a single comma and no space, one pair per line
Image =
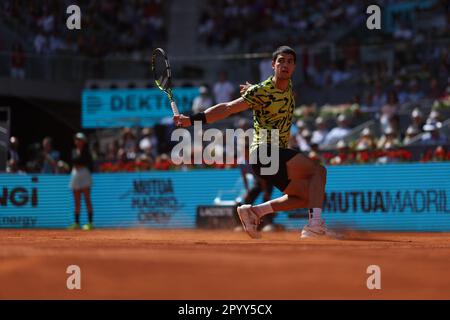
131,107
397,197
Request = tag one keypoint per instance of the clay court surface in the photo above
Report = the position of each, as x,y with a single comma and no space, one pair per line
174,264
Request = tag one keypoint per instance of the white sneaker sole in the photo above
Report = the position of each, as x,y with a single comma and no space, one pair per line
312,235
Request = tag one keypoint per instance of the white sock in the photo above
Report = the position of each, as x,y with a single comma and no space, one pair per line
262,209
315,215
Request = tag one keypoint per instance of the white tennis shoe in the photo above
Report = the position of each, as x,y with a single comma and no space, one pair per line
249,220
317,230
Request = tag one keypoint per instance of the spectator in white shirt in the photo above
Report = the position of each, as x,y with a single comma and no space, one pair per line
303,139
319,135
203,101
436,116
432,136
149,143
223,89
339,132
410,134
299,142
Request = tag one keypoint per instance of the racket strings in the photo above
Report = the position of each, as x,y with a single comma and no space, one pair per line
162,74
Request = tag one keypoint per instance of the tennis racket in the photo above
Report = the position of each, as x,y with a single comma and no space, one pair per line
163,76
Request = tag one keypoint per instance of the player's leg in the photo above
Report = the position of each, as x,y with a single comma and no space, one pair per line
267,191
296,186
253,193
301,178
287,203
250,198
317,187
296,197
300,168
77,200
251,215
292,201
267,223
303,181
249,220
87,198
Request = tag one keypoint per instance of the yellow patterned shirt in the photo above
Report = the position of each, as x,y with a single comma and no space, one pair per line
272,109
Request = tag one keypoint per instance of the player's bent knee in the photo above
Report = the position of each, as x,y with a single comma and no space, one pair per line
297,187
302,202
297,190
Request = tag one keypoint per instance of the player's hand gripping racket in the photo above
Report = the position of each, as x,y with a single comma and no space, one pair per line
163,76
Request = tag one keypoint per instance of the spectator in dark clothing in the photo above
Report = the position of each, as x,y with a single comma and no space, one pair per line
13,153
18,61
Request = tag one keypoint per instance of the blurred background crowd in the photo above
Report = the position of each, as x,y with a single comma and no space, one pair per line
362,96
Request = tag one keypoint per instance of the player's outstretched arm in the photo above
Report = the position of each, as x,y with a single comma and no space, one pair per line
215,113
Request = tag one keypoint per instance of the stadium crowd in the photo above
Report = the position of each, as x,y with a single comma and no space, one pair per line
115,27
330,38
334,135
403,105
225,21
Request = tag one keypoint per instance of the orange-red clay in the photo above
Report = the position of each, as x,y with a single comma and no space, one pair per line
194,264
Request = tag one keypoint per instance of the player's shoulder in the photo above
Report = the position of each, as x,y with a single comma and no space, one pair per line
269,87
266,85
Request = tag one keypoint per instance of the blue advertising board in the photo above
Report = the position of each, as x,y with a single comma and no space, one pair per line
131,107
153,199
396,197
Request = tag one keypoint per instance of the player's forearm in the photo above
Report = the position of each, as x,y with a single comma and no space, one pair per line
218,112
215,113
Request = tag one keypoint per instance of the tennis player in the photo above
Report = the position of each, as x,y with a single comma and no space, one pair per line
300,179
81,180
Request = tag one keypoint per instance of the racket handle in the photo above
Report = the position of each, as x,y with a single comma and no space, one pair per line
174,108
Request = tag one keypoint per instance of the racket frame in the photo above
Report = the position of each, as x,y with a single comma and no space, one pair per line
167,90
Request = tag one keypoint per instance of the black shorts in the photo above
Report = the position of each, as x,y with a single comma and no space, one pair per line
280,178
